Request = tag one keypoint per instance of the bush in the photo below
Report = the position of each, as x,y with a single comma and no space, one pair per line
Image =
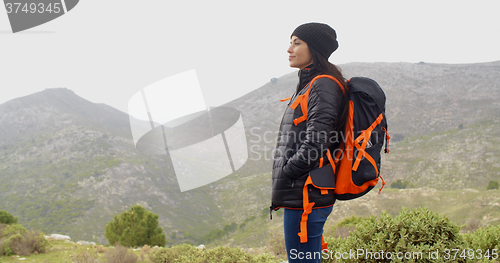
7,218
399,184
2,227
187,253
224,255
412,233
120,254
145,251
163,255
135,228
15,239
492,185
10,230
485,238
85,257
29,243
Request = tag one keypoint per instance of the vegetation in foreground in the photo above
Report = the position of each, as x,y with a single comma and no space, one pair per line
411,236
60,251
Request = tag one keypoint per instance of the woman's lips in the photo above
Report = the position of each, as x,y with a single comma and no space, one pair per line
290,57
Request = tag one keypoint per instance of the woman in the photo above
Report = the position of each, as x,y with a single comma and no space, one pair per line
301,145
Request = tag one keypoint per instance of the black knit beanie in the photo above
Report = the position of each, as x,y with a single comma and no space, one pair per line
321,37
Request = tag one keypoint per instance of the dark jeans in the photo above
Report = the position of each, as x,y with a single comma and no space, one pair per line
310,251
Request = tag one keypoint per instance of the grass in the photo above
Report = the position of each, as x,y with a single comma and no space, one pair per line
66,251
59,251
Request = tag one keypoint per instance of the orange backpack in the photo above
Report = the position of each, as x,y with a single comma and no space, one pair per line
366,128
354,170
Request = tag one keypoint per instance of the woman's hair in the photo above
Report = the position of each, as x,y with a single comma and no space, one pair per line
323,66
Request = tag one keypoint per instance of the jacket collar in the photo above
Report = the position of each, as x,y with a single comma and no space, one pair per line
305,75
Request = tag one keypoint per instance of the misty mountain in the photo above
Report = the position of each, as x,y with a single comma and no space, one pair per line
54,109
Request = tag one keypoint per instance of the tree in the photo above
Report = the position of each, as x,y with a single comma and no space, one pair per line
135,228
7,218
399,184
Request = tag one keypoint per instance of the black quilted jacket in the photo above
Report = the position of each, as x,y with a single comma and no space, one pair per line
300,147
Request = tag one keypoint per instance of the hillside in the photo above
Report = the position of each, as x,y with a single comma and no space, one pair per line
68,165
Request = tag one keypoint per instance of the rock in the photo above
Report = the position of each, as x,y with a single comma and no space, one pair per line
60,237
201,246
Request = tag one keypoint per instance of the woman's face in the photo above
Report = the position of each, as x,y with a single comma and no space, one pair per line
300,56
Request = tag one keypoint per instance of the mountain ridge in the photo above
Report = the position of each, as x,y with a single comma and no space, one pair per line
69,107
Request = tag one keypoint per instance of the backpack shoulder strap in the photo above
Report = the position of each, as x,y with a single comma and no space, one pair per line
304,98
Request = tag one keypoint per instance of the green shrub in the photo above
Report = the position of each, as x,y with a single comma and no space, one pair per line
164,255
187,253
135,228
120,254
7,218
408,237
15,239
8,233
2,226
399,184
231,255
13,229
492,185
222,255
85,257
29,243
485,238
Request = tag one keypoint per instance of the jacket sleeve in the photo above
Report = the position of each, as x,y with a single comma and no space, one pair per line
325,99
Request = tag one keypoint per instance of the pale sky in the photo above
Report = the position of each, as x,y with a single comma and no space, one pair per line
106,51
